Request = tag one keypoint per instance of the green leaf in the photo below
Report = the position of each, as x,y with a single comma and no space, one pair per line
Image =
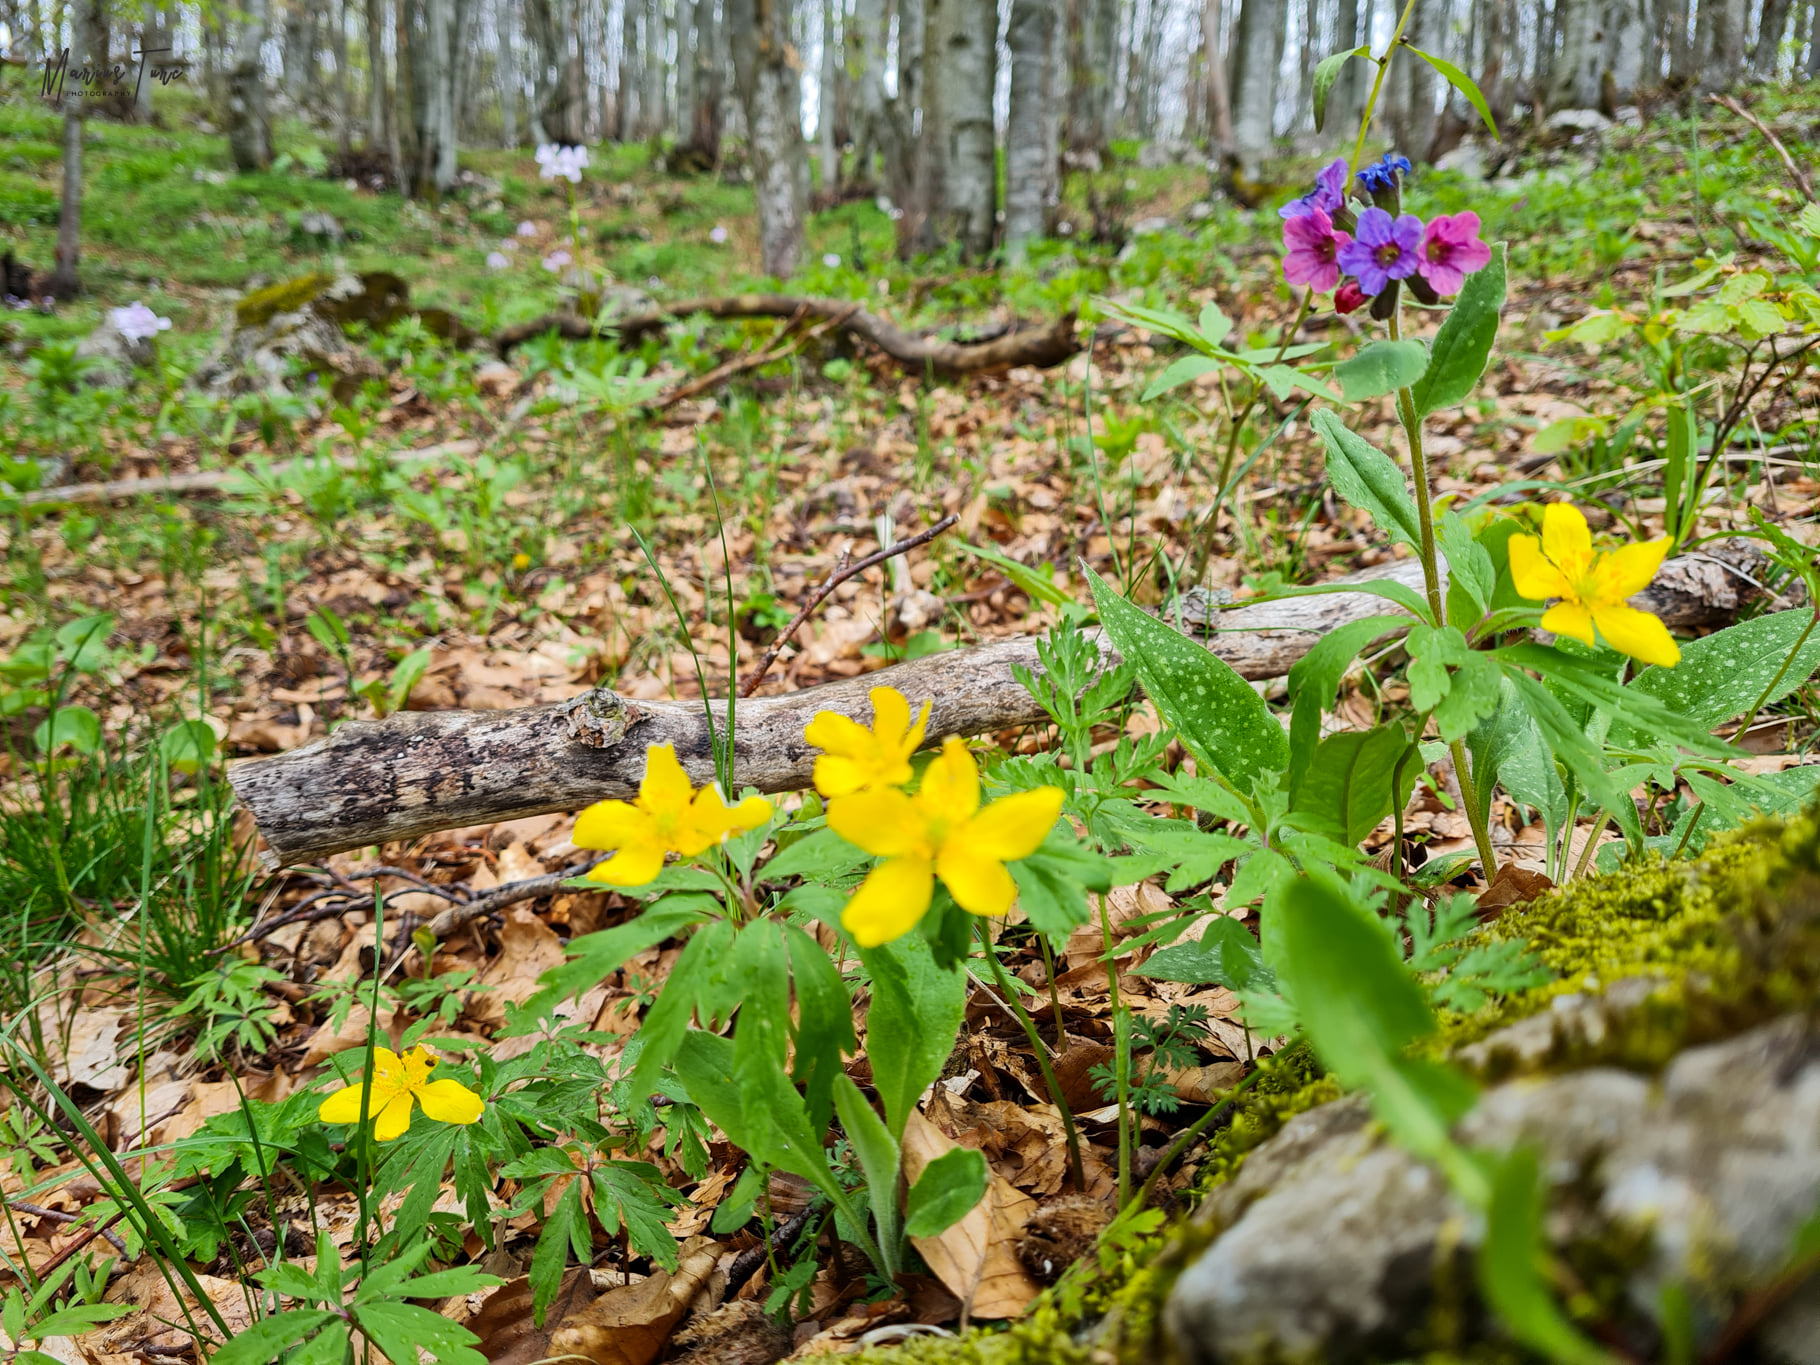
1348,789
594,957
1220,719
667,1021
946,1192
1463,345
824,1027
1508,749
1723,674
1472,578
402,1330
83,642
1182,371
1512,1264
915,1017
632,1194
1380,368
1368,479
1314,681
1225,955
879,1157
188,746
266,1340
1053,882
818,856
76,726
1325,74
1460,81
1035,584
1214,324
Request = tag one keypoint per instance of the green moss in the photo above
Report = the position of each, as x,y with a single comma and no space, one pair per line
287,296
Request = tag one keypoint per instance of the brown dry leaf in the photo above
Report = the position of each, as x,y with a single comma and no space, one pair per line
1204,1084
1514,885
630,1325
1087,944
527,949
508,1336
92,1058
976,1258
160,1328
328,1040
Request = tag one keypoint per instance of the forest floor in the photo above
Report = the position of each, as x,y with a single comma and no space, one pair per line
582,542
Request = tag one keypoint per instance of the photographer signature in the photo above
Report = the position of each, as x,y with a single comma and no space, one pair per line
101,82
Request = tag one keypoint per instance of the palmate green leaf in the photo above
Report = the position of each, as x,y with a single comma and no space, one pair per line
1460,81
1511,1266
1463,345
1566,740
824,1024
403,1330
915,1017
1723,674
1220,719
1349,786
823,854
1225,955
667,1022
1190,854
1508,749
269,1338
565,1229
946,1192
1380,368
595,957
637,1196
1325,74
1368,479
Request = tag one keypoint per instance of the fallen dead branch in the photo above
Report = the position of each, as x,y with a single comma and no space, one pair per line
214,480
414,773
1042,347
1795,173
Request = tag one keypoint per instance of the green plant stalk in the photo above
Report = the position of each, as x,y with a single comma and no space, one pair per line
1377,85
1188,1138
1002,979
1592,842
1121,1057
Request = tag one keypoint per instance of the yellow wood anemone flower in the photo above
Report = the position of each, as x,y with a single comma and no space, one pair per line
397,1083
1592,587
669,816
941,831
854,758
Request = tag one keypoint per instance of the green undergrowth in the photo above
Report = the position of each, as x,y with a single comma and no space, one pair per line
1731,939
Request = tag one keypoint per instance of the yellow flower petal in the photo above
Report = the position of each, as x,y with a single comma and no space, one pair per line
882,821
1570,618
1014,826
341,1107
837,775
913,738
1566,539
450,1102
834,733
710,820
888,904
977,882
611,824
951,786
632,866
418,1063
666,788
1532,575
1636,633
1628,570
393,1119
752,812
890,715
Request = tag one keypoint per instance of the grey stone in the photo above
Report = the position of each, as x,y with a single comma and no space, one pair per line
112,356
1199,211
325,227
1335,1244
1576,121
1468,159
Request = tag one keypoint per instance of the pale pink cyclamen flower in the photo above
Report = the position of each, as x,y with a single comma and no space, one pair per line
1451,250
556,260
136,322
498,260
527,228
717,234
1313,246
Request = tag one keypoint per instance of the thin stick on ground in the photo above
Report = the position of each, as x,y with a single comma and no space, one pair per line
753,360
1799,176
834,580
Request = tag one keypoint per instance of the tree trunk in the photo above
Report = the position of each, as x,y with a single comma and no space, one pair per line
249,123
968,67
770,93
1719,43
154,47
1092,43
344,88
1813,40
1413,85
1770,28
1029,164
377,105
66,280
1579,62
653,112
1499,32
827,147
880,122
505,15
706,88
1219,99
922,215
1626,52
1257,51
435,41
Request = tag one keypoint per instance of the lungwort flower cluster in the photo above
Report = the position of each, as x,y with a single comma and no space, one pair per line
669,816
396,1084
940,830
1592,587
1327,237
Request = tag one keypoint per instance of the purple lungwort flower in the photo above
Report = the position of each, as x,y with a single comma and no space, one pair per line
1328,194
1451,250
1384,250
1382,173
1313,246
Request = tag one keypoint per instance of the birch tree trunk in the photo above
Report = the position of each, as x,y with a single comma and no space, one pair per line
505,15
1573,80
969,75
1626,52
435,43
827,146
377,104
1678,22
920,225
1770,27
1217,96
654,107
1257,50
249,123
1092,45
344,87
770,94
706,87
1029,150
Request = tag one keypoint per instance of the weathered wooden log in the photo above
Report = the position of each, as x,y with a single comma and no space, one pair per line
418,772
1041,347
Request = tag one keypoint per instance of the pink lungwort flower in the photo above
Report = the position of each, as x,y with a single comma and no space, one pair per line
1385,249
1451,250
1350,298
1314,247
1328,194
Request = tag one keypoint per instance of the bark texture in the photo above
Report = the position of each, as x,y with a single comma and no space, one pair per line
418,772
1030,171
770,92
968,76
1257,52
249,127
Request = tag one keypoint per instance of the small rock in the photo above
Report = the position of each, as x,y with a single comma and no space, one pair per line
113,356
1149,227
1199,211
1574,122
1153,156
1468,159
325,227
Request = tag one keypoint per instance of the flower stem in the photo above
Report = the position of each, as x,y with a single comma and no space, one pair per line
1003,980
1377,85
